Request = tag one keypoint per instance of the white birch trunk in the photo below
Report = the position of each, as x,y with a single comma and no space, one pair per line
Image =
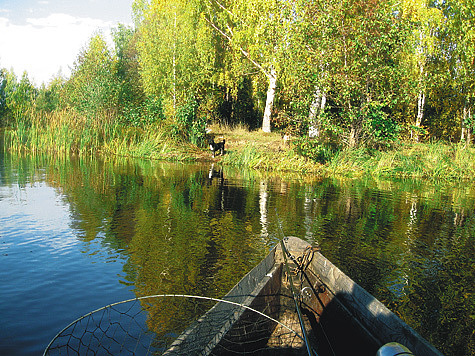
421,99
272,76
270,100
316,108
420,108
464,129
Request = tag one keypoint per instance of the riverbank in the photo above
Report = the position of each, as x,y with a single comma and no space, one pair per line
434,161
255,150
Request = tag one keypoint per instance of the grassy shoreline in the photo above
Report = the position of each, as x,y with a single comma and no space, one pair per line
434,160
253,150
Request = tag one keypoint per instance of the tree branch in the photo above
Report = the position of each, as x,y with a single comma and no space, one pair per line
244,52
222,7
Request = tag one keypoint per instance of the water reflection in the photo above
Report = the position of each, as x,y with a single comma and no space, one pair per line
193,229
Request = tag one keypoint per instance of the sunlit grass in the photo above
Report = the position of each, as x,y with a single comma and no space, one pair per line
264,151
435,160
67,132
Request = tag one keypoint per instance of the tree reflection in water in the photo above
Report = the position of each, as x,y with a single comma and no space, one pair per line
197,229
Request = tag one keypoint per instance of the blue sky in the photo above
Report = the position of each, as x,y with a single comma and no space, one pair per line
46,36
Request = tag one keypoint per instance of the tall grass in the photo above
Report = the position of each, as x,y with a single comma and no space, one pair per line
255,157
66,131
59,132
434,160
152,143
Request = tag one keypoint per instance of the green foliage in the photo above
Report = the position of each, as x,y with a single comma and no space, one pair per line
356,72
381,128
130,91
3,103
419,131
93,86
188,125
19,97
176,52
349,53
148,113
469,122
49,97
321,152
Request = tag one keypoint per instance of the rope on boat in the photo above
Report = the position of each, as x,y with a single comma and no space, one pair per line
302,263
294,296
286,253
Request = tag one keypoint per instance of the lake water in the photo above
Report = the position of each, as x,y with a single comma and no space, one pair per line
78,234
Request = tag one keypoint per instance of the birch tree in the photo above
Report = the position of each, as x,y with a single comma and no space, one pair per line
358,55
176,51
253,30
460,49
425,21
307,61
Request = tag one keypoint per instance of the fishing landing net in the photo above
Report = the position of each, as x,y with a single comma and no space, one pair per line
260,316
127,328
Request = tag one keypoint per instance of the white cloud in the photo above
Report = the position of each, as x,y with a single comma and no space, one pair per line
44,45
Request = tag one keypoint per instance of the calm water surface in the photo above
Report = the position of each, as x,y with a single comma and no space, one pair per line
77,234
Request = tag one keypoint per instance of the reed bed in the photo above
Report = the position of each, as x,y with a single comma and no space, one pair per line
66,131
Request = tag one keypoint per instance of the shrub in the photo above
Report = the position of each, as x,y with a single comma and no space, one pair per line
316,150
150,112
380,128
188,125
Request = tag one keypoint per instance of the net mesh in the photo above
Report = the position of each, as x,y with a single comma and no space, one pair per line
113,330
258,316
228,328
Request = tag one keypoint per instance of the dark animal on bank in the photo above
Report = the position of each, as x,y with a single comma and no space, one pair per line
216,146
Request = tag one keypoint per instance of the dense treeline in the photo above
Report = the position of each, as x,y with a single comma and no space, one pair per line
335,74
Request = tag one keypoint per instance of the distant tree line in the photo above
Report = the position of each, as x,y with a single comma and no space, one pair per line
334,74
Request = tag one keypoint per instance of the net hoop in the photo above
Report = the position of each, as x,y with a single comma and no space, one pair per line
217,300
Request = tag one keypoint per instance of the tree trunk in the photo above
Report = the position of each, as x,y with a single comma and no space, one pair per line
466,134
317,107
420,114
420,108
270,100
464,129
352,142
272,76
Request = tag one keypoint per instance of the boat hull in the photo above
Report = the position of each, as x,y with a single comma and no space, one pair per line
258,315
